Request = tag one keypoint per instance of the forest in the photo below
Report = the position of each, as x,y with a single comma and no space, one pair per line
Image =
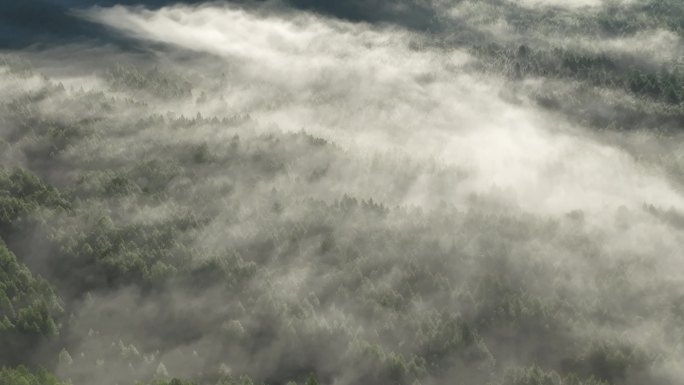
304,192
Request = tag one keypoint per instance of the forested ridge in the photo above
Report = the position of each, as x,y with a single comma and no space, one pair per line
488,194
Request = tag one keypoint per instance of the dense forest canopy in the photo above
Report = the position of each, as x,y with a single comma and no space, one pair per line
360,192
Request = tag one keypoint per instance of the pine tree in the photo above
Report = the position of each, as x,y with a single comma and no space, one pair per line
311,380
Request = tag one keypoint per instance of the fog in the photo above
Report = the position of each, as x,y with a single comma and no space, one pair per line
420,102
266,189
569,4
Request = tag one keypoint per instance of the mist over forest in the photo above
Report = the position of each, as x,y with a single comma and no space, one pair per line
311,192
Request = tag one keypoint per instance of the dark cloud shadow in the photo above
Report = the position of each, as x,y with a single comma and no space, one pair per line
41,23
406,13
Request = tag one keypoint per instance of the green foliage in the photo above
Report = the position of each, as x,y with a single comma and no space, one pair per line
311,380
23,376
130,252
380,365
21,193
152,81
531,376
28,306
173,381
28,309
447,337
598,69
610,361
536,376
235,380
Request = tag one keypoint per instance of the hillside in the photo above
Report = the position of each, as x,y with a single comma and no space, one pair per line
295,192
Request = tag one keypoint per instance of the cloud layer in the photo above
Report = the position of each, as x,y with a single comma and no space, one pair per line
274,192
